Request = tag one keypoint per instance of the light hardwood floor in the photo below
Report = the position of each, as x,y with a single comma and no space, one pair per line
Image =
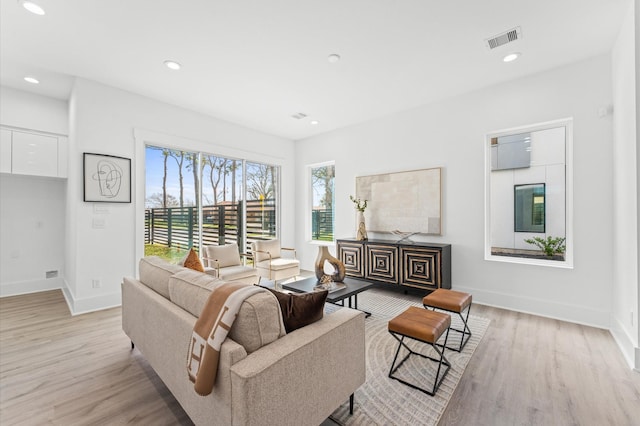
64,370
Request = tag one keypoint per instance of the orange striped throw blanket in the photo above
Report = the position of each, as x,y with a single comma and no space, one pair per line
211,330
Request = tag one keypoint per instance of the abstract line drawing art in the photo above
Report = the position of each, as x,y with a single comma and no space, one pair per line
107,178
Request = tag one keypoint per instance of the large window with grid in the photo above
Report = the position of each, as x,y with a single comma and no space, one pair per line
194,199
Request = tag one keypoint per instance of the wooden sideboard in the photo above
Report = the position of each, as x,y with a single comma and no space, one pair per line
418,265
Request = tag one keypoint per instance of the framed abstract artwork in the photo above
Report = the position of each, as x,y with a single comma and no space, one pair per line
107,178
405,202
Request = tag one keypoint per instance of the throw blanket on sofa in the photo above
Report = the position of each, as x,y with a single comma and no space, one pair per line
210,331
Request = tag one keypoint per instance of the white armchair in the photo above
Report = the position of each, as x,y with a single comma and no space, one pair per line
270,263
224,262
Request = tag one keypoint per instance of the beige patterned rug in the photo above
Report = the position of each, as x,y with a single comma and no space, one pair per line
384,401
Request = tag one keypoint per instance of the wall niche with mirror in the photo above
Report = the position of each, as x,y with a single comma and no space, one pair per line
529,193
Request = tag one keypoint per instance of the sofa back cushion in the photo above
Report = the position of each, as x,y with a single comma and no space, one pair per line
259,321
155,273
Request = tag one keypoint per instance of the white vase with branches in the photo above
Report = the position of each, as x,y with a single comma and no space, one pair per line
360,206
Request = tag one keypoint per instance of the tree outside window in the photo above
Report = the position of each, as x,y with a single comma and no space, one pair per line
322,202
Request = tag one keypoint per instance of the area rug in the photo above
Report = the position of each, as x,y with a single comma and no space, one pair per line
384,401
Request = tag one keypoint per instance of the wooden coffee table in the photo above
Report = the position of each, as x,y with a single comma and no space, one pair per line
350,291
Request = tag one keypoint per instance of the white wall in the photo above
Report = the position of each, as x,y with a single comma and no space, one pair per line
625,202
29,111
32,233
102,120
451,134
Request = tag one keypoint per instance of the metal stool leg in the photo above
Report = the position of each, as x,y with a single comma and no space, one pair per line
440,360
466,331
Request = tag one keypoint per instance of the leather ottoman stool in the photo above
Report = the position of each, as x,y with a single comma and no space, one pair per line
424,326
452,301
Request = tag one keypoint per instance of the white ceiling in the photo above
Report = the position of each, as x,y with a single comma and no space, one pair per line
257,62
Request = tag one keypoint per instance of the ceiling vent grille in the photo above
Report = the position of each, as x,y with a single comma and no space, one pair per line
504,38
299,115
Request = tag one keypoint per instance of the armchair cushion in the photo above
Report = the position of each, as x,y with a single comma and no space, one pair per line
234,273
271,246
226,255
279,264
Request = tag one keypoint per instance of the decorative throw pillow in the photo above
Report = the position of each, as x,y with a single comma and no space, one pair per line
301,309
192,261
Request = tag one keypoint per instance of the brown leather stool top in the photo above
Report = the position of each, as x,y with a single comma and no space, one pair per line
449,300
420,324
452,301
424,326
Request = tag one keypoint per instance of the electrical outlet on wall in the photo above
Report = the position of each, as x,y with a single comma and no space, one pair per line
96,283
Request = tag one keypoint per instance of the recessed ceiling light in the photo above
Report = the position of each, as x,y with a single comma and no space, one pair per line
315,122
511,57
32,7
333,58
172,65
31,80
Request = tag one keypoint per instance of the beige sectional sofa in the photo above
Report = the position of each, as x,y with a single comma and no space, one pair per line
265,376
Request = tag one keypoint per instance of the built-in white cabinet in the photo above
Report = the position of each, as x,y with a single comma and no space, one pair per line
34,154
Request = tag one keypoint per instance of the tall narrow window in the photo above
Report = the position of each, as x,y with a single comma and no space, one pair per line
529,208
262,201
322,202
222,200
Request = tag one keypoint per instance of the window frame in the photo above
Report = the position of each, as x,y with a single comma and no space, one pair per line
309,204
145,137
567,263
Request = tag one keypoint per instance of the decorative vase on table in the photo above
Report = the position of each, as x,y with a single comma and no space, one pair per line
338,266
362,229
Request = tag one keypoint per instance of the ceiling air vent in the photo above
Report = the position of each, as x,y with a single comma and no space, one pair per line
504,38
299,115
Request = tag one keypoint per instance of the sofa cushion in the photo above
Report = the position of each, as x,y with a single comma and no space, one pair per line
192,261
302,309
259,321
155,273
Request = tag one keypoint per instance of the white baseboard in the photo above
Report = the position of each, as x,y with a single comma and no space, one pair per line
25,287
91,304
544,308
625,343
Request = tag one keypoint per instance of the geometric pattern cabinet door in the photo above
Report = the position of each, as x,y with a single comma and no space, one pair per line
382,263
420,265
352,255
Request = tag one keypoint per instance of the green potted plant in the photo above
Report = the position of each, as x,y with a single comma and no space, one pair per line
550,245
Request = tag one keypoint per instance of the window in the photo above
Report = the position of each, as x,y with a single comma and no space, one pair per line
171,198
196,198
322,202
529,208
529,193
262,196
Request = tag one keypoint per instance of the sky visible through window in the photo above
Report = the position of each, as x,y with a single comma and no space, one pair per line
155,171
